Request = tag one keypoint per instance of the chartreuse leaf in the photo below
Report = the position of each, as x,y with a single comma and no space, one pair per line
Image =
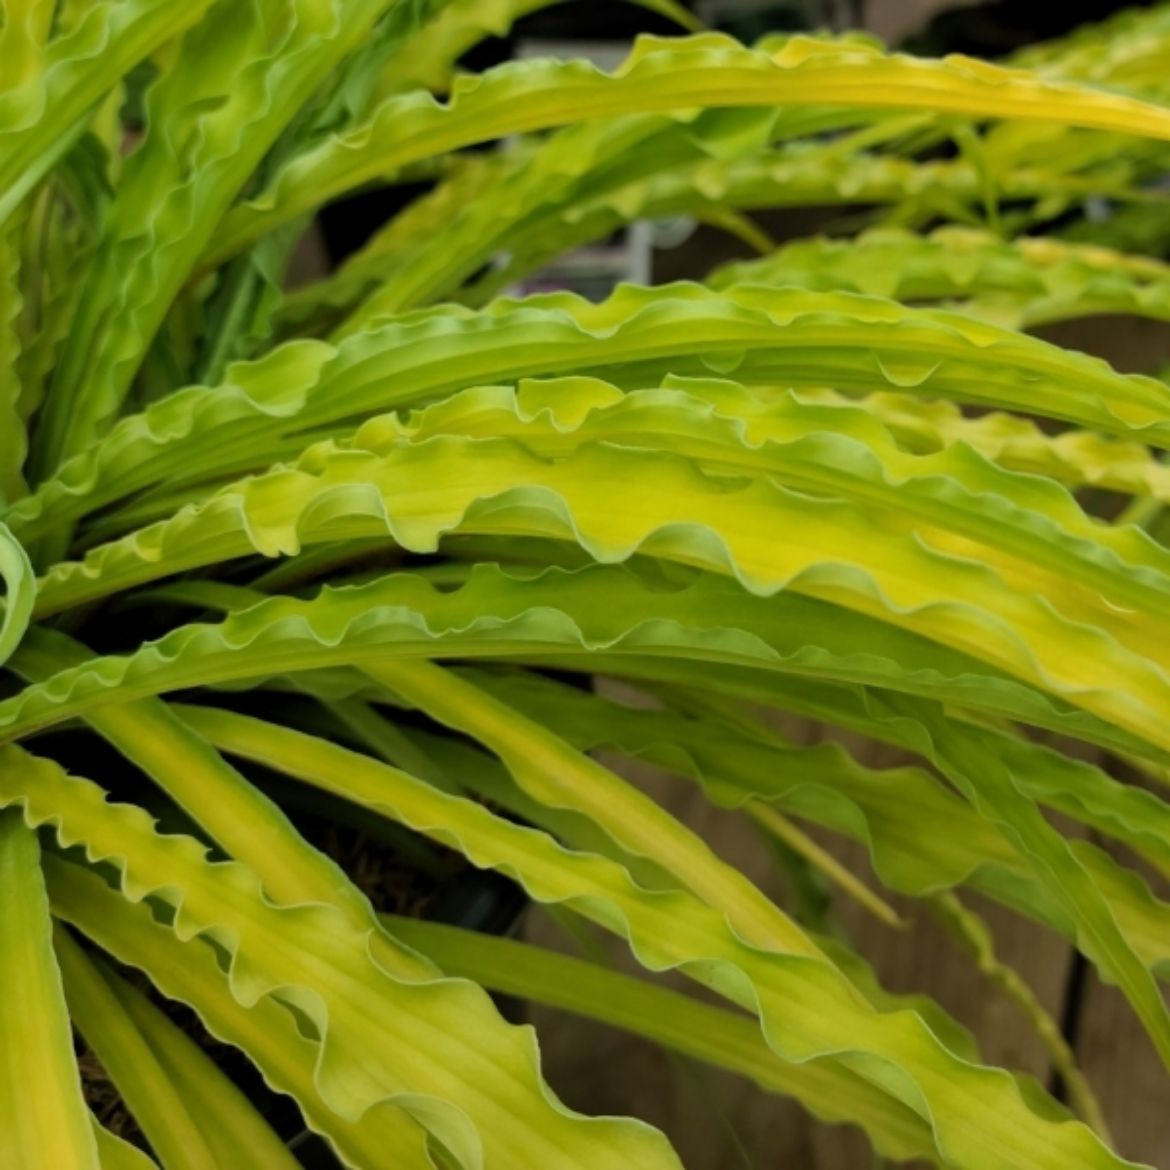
711,190
490,210
470,1080
1010,608
463,769
238,816
593,609
44,1124
1075,458
191,1114
808,1009
250,826
735,769
438,759
992,785
921,837
478,775
1075,787
551,771
949,845
554,773
1022,283
909,191
636,337
724,427
1127,57
266,1030
592,613
714,1035
117,1154
703,189
416,263
19,592
702,71
773,492
911,863
724,1038
584,611
663,1016
536,202
589,178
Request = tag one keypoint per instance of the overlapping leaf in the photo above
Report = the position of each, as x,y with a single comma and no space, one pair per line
1022,283
767,337
470,1080
802,1001
209,128
664,75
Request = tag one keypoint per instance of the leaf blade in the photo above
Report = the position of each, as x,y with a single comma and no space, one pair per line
44,1124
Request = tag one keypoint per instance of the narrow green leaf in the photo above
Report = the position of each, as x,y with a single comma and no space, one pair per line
20,592
44,1124
266,1031
1022,283
921,837
1078,641
238,816
714,1035
682,75
192,1115
166,1119
594,613
735,770
635,338
975,936
554,773
118,1154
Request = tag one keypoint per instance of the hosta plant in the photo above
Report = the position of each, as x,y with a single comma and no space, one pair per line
366,544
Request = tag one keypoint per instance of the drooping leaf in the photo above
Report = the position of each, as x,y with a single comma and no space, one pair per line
680,75
714,1035
472,1081
671,928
